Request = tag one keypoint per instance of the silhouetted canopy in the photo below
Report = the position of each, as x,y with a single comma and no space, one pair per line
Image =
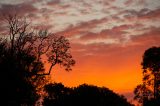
83,95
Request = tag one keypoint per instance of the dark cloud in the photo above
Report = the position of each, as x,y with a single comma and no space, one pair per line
94,49
134,13
54,2
82,27
149,38
143,14
128,2
154,14
115,32
43,27
58,5
90,36
84,11
21,9
107,2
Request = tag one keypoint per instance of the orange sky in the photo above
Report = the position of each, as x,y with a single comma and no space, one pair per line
108,37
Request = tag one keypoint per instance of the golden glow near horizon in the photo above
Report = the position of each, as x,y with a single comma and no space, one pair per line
108,37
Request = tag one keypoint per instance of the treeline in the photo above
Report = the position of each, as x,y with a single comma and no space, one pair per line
83,95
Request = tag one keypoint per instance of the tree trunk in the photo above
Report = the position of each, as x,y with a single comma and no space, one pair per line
155,86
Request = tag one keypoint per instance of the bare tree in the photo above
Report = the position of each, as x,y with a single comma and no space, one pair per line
24,52
45,46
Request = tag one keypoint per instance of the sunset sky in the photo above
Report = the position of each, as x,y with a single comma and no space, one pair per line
108,37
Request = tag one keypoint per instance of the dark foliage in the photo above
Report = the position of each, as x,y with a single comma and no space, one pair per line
83,95
16,85
22,59
148,93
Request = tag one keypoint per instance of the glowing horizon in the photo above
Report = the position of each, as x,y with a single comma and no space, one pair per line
108,37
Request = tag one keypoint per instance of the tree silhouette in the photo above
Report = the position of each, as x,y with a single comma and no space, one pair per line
23,54
54,48
16,85
149,92
83,95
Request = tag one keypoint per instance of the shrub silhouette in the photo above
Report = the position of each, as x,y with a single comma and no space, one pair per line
83,95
